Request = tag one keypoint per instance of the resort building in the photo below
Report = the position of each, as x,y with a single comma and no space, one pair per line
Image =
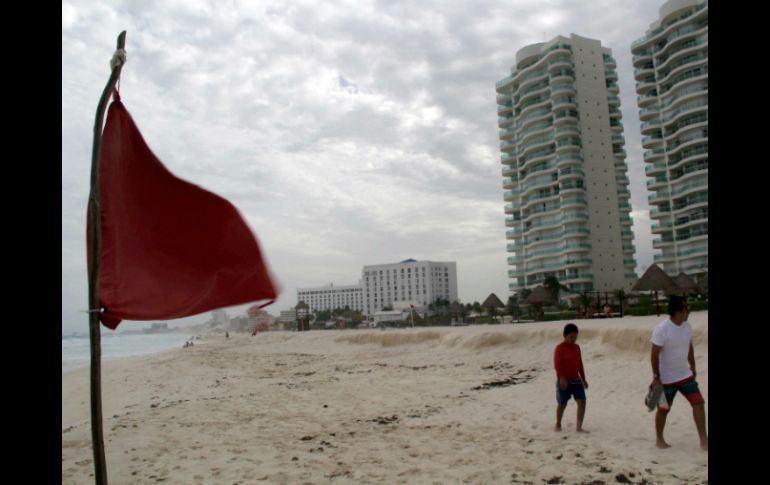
288,316
671,72
564,168
330,297
409,282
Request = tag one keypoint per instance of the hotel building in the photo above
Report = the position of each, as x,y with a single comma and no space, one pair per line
409,282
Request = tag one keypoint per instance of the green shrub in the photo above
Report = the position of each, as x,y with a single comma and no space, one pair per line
641,310
698,305
485,320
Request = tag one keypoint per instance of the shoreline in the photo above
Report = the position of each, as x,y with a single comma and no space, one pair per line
80,358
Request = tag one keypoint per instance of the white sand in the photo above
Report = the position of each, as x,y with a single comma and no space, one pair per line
394,406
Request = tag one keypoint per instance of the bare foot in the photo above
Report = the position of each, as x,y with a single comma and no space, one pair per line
581,430
704,446
557,427
662,445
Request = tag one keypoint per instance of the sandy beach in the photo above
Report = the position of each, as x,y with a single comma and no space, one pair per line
436,405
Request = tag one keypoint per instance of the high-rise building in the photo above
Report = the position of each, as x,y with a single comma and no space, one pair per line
331,297
672,81
418,283
564,168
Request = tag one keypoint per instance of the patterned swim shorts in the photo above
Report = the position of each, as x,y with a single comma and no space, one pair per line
688,387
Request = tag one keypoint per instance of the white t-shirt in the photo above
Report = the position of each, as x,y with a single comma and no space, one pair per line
675,340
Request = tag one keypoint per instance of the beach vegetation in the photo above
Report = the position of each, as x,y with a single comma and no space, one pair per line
464,310
622,297
551,283
323,315
559,315
512,307
440,306
492,312
644,306
698,305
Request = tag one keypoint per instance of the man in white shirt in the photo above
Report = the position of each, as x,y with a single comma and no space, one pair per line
673,366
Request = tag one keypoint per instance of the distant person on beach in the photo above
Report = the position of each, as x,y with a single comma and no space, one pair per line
673,366
607,311
571,377
227,334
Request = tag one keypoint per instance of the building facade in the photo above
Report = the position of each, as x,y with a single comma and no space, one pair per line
331,297
409,282
220,317
564,168
671,72
288,316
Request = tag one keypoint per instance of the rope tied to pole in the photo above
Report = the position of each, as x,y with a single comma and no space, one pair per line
118,58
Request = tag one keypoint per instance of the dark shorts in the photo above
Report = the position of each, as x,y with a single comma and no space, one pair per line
688,388
574,388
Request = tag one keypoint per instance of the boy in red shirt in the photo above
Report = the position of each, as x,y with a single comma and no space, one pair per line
571,378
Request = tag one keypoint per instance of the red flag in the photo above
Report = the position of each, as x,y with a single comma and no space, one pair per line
170,248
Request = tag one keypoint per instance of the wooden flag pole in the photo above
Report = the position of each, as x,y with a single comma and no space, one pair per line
100,464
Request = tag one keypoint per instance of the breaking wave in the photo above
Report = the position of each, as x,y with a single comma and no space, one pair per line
390,339
618,338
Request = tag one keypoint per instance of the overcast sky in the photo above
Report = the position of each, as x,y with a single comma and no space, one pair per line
347,133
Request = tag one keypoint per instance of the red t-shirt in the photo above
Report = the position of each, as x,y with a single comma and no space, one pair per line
568,362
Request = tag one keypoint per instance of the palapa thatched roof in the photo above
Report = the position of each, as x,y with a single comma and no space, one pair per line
540,295
655,279
493,301
455,307
685,283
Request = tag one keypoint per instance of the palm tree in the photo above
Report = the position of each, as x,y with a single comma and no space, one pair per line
513,306
553,286
440,305
622,296
463,311
492,311
524,294
585,300
443,304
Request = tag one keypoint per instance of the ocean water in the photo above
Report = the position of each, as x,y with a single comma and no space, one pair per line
76,351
